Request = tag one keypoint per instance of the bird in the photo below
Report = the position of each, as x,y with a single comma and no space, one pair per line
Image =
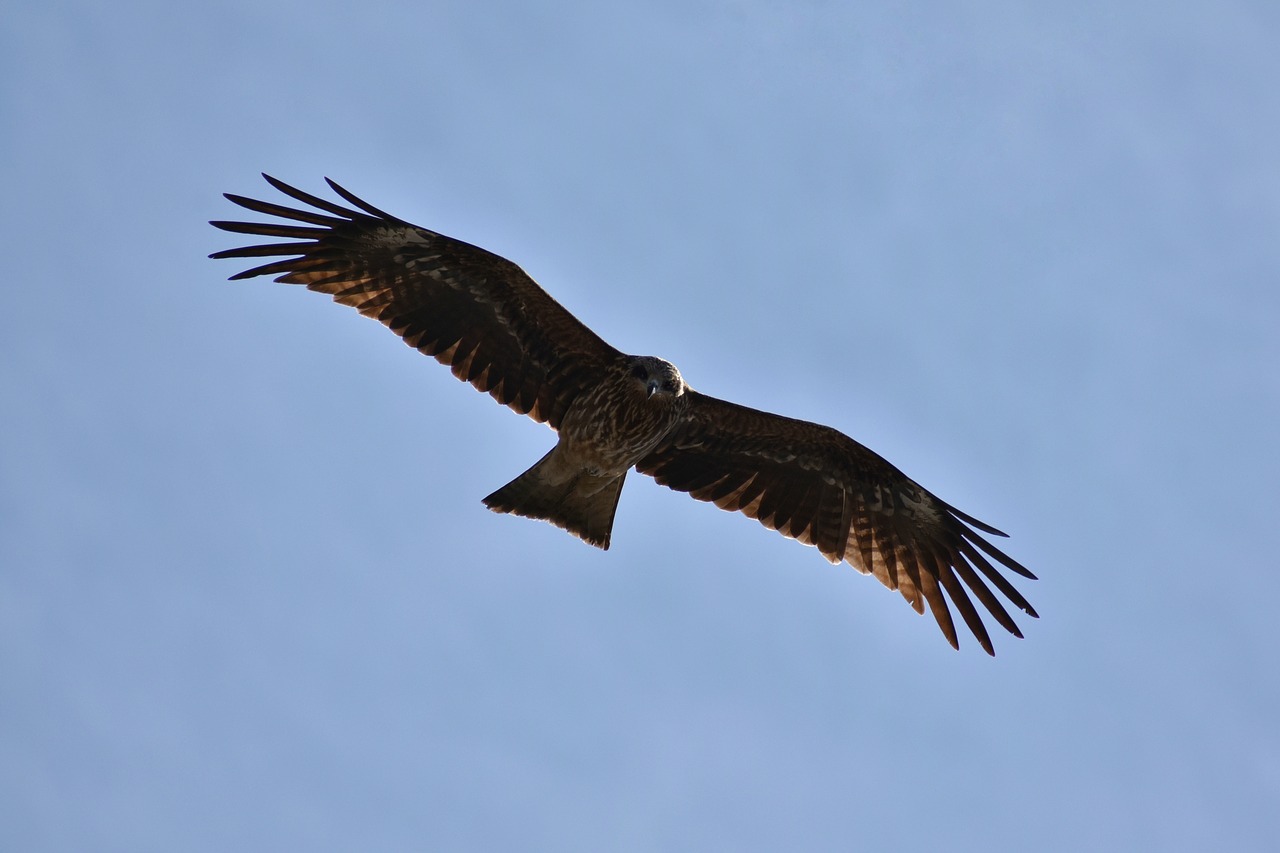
497,329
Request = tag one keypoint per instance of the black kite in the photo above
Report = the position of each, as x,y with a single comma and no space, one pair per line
497,329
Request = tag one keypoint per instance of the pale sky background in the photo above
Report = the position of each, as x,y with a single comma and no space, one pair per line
250,599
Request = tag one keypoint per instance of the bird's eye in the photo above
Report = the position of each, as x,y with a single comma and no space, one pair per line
669,387
639,372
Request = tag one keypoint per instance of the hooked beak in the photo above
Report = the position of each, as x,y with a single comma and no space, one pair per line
653,387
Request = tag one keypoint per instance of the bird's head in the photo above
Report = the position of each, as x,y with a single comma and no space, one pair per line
658,377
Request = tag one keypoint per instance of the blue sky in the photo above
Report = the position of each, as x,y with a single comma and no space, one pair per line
250,599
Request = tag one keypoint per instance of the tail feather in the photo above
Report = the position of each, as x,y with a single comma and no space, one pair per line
582,503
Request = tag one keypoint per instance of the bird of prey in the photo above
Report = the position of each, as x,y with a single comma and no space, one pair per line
495,328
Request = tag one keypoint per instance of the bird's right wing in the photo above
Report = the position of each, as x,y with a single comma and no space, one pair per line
815,484
468,308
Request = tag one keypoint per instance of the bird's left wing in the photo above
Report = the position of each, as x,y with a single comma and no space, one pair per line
466,307
814,484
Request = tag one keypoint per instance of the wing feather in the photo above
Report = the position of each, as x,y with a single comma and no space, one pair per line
986,597
817,485
470,309
1001,582
801,509
928,582
831,524
947,577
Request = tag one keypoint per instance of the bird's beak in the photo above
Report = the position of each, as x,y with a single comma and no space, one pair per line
653,387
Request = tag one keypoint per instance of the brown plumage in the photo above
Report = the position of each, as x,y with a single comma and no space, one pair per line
497,329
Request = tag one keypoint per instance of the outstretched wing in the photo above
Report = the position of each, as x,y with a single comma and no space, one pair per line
469,308
812,483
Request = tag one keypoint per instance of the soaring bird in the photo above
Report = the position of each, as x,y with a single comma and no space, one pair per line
496,328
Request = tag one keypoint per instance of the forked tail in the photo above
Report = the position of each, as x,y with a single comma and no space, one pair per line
580,502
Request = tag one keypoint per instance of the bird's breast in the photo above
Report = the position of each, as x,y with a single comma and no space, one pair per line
615,424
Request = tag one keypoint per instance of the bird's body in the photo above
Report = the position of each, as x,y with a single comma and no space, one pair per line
607,429
496,328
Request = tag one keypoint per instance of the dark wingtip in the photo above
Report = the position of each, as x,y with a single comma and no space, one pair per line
277,183
352,198
216,256
1004,558
243,201
984,641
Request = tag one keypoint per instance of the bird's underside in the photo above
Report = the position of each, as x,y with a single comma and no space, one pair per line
496,328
